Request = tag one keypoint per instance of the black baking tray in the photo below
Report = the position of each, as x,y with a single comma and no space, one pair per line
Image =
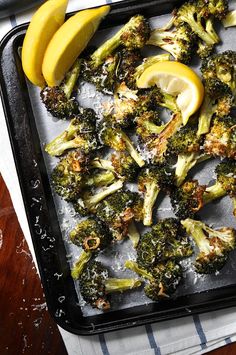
37,195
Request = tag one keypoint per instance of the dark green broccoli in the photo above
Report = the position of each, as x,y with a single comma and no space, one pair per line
114,137
80,134
80,264
91,234
163,280
217,8
221,140
186,145
214,245
151,181
179,42
197,14
119,211
165,241
218,100
149,125
225,183
187,199
126,69
204,50
221,66
95,285
133,35
57,99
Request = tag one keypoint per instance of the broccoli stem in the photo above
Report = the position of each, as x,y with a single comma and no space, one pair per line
195,229
230,19
92,201
151,193
102,179
133,234
71,78
213,192
206,112
132,151
120,285
133,266
61,143
77,269
152,128
186,162
169,101
147,62
102,164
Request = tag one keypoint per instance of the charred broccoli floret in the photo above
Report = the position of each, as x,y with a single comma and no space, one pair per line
187,199
218,100
204,50
179,42
165,241
90,234
151,181
225,183
119,211
80,264
115,138
57,99
134,34
198,16
124,166
80,134
214,245
186,145
162,281
221,66
95,285
221,140
149,125
147,62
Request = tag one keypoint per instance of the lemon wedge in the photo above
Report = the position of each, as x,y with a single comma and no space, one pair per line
45,22
69,41
176,79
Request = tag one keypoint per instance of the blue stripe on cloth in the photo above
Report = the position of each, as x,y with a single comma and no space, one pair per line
228,340
152,340
200,331
103,344
13,20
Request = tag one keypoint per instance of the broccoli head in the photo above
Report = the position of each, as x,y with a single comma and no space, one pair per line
180,42
95,285
124,166
187,199
57,99
150,182
165,241
214,245
80,134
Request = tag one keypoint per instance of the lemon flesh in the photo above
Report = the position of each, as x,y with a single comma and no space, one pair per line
69,41
176,79
45,22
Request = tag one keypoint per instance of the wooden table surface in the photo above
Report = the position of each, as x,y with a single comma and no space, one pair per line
25,324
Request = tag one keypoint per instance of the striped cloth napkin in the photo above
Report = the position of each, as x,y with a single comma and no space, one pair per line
196,334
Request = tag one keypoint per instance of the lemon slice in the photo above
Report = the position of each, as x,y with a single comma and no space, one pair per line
45,22
176,79
69,41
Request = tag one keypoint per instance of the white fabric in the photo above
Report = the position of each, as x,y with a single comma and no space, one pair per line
190,335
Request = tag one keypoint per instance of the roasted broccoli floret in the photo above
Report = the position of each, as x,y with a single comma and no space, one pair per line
119,211
149,125
95,285
163,280
218,100
225,183
116,138
214,245
91,234
221,66
124,166
204,50
80,264
133,35
165,241
57,99
230,19
151,181
179,42
187,199
198,16
186,145
217,8
221,140
80,134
